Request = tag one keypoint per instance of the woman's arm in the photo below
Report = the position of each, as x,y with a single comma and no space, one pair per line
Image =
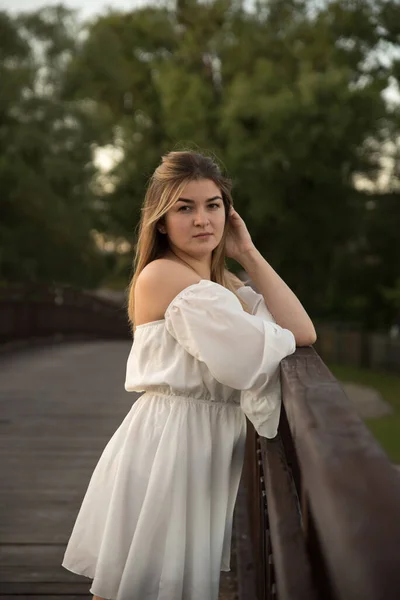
282,303
279,298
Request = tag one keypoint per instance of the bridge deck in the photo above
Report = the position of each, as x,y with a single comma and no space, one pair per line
59,406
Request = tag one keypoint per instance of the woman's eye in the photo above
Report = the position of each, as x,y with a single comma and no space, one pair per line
213,205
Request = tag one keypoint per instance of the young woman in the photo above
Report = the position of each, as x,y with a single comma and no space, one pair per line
156,520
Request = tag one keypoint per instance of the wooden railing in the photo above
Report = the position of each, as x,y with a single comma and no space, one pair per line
323,497
28,312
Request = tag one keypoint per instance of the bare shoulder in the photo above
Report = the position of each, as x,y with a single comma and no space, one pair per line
235,281
156,287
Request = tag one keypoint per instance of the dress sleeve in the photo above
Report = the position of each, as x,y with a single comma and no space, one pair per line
241,350
255,303
262,409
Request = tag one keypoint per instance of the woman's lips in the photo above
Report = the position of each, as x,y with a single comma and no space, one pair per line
202,235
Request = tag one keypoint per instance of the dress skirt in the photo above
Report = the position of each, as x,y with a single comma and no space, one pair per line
156,520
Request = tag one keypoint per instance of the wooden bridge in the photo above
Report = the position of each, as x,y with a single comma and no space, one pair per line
318,510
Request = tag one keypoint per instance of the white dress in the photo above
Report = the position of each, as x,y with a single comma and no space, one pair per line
156,520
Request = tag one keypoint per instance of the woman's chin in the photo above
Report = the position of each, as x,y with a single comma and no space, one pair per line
198,249
202,250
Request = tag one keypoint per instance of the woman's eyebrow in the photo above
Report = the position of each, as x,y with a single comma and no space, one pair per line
189,201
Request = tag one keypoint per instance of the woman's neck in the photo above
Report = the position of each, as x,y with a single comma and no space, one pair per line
203,269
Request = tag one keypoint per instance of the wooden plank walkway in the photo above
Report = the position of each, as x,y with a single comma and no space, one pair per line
59,404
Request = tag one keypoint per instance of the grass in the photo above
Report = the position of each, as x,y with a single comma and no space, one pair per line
385,429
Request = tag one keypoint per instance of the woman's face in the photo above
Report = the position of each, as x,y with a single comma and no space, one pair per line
199,210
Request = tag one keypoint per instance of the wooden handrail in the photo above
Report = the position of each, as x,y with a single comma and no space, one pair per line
327,525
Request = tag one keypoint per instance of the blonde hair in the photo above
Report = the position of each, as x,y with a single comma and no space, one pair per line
166,184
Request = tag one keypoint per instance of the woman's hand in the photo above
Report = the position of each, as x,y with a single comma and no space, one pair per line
238,239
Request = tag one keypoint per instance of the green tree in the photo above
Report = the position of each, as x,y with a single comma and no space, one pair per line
47,205
287,94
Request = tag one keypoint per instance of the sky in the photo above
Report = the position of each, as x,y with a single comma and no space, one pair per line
87,8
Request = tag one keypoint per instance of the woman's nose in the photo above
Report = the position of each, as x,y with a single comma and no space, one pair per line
201,217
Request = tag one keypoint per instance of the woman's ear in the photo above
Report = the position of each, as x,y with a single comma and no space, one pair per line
227,205
161,226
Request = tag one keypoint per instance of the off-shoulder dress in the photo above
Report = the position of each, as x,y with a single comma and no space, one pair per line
156,520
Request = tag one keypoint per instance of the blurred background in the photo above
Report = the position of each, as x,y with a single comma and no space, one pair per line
298,99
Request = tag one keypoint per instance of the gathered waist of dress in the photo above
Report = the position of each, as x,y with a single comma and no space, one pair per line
202,399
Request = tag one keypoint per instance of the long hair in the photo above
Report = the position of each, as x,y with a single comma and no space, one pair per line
166,184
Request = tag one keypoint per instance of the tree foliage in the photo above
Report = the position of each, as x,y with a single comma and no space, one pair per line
47,205
287,94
